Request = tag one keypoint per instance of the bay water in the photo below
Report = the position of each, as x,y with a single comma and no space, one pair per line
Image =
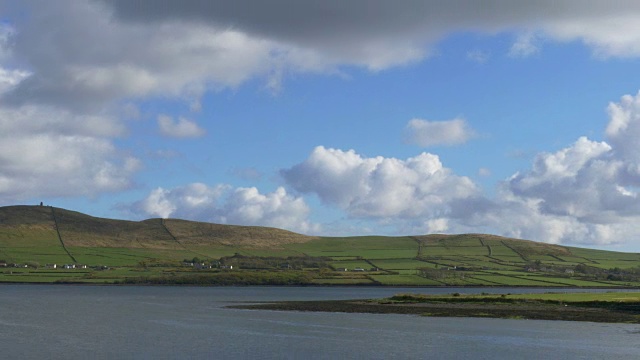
138,322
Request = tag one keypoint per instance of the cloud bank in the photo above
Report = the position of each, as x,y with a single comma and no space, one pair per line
227,205
583,194
382,188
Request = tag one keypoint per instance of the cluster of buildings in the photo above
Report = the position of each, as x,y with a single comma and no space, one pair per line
5,264
65,266
206,266
358,269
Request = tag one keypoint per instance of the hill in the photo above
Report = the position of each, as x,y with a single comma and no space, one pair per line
39,235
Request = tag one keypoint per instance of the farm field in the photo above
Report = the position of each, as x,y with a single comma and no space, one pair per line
33,238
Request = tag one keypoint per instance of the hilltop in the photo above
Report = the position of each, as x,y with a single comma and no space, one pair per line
166,250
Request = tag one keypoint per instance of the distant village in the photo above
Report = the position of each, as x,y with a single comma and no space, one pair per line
34,265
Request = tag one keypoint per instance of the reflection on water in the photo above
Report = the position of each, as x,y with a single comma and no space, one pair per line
57,322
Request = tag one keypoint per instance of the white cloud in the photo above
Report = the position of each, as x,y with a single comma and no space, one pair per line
431,133
586,193
58,165
438,225
623,130
611,33
525,46
48,152
583,194
182,128
91,60
228,205
195,201
379,187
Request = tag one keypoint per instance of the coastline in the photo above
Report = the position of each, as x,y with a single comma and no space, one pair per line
313,285
591,311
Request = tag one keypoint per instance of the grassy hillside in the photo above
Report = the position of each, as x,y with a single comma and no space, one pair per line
153,251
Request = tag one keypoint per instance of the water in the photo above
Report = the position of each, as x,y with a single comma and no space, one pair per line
62,322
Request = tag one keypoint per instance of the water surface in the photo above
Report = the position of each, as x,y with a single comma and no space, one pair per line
61,322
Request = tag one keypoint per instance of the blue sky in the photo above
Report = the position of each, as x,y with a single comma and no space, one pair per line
503,117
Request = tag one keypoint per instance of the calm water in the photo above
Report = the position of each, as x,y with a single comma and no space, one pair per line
64,322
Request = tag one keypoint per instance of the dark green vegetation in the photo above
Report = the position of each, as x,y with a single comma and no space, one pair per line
596,307
172,251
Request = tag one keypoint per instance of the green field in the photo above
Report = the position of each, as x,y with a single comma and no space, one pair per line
114,250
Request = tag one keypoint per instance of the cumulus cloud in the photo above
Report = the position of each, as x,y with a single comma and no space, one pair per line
623,130
48,152
192,201
431,133
182,128
585,193
91,60
228,205
379,187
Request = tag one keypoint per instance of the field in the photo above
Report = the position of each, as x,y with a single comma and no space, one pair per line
33,238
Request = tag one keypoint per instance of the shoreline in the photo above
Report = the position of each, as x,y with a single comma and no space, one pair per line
80,283
593,311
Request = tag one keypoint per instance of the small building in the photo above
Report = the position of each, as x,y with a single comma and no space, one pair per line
342,269
51,266
69,266
81,266
226,267
358,269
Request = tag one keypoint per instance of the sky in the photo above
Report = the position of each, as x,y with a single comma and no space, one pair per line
333,118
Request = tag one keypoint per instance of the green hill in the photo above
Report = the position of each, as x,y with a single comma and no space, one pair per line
155,249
